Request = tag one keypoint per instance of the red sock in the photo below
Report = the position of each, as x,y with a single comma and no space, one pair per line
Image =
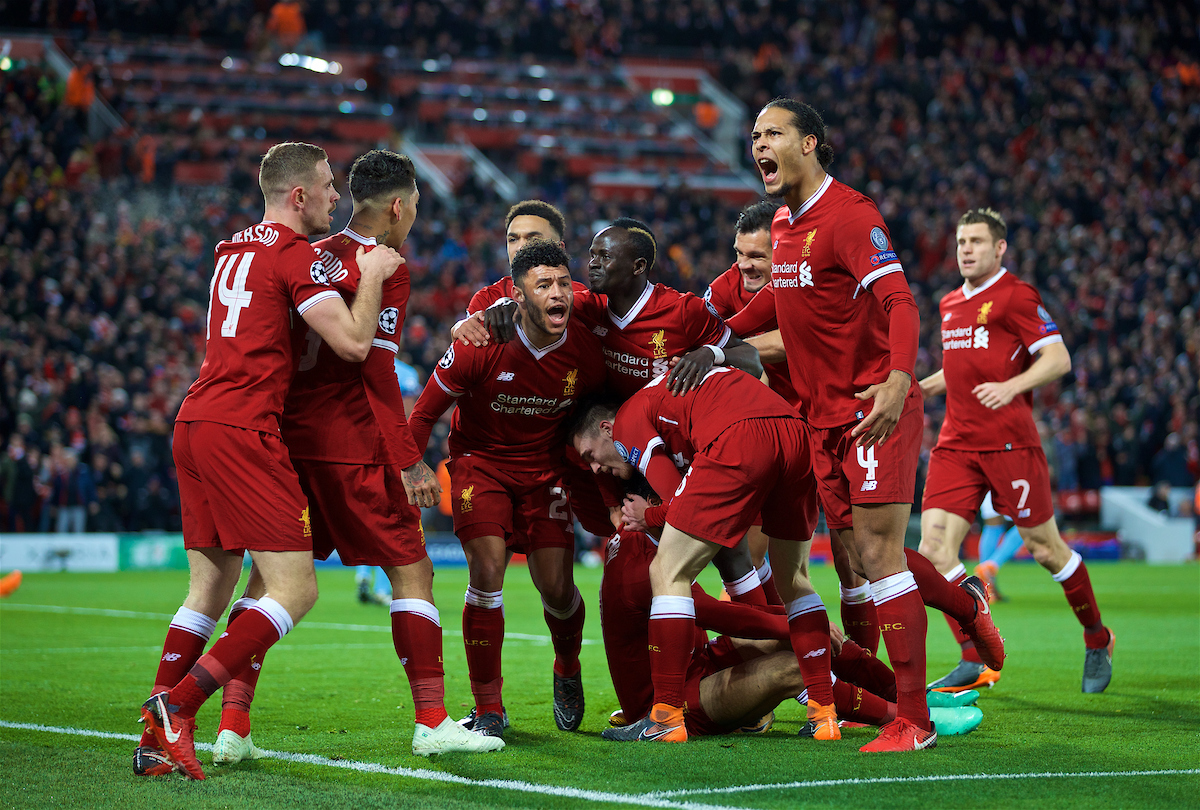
860,622
672,632
566,634
747,590
242,645
186,637
858,666
859,705
769,590
1077,587
937,592
483,635
808,628
417,636
967,646
238,694
903,624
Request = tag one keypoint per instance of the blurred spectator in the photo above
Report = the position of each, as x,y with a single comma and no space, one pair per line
73,493
1169,464
286,24
1160,498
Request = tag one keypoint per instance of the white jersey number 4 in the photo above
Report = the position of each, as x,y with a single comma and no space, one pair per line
233,295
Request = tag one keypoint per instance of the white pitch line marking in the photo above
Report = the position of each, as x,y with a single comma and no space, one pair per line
364,628
424,774
894,780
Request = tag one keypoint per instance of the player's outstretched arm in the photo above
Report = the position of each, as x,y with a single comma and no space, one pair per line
349,330
1053,361
433,402
691,368
770,346
934,385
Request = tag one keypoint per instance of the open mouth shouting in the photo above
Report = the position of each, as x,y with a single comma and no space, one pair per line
556,315
769,169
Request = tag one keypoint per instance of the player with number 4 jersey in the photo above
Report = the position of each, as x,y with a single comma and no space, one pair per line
999,343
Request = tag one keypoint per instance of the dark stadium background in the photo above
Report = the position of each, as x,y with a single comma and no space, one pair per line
1080,122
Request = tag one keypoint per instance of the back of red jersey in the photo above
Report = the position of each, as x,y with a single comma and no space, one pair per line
991,334
824,261
327,416
654,417
265,277
513,398
664,323
728,297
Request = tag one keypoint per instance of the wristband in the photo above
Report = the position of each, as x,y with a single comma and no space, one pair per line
718,354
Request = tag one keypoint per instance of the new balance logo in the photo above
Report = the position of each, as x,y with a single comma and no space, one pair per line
600,330
171,656
869,486
1023,513
816,653
505,376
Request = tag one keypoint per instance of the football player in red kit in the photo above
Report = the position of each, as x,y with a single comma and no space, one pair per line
507,442
346,433
848,327
998,344
731,294
238,490
751,458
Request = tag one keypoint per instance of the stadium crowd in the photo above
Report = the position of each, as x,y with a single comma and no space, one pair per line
1081,124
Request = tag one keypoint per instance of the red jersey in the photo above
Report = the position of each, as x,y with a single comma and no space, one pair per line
991,334
351,413
824,260
654,417
512,398
504,289
728,297
662,324
264,276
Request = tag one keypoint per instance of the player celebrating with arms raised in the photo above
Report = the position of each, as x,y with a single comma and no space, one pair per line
507,443
849,327
993,328
237,488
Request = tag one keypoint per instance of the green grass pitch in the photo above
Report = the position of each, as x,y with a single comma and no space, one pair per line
333,689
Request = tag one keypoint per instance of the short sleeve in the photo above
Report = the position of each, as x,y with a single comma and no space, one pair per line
864,246
634,433
718,294
391,312
457,371
304,277
703,324
486,297
1030,321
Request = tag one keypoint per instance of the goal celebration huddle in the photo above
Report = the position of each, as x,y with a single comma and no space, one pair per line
684,430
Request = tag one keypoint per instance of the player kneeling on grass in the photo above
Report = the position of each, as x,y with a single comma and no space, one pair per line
735,682
750,458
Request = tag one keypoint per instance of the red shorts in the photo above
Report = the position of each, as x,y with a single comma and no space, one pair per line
887,473
238,490
530,509
757,467
362,511
1019,480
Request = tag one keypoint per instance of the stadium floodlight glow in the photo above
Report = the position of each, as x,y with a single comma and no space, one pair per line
5,63
546,94
662,97
227,63
360,85
430,65
545,141
480,114
537,71
346,107
518,116
386,109
314,63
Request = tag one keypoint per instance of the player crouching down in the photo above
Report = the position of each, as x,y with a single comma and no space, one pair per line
750,457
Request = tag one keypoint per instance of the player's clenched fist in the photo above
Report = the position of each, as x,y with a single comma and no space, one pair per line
381,259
